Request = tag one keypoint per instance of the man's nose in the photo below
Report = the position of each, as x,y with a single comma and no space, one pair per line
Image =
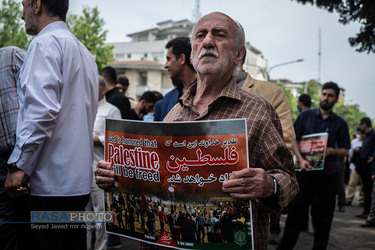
208,40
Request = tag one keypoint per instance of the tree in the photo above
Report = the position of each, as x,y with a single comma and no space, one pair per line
362,11
313,90
89,30
292,101
12,32
351,114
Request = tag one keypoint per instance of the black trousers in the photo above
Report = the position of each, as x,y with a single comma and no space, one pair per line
365,173
13,234
62,238
322,190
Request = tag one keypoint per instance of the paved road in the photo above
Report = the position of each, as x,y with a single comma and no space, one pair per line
346,232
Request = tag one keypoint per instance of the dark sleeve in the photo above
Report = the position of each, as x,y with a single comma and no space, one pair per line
373,163
123,104
343,140
157,110
298,128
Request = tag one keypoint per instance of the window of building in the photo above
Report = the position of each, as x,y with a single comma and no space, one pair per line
143,79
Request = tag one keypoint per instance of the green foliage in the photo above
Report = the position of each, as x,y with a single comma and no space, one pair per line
362,11
12,32
292,101
88,28
312,89
351,114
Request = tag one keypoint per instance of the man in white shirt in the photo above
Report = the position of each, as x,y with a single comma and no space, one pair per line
58,94
355,178
105,110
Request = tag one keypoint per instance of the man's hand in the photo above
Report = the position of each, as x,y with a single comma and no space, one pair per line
13,183
373,177
369,159
249,184
104,176
304,165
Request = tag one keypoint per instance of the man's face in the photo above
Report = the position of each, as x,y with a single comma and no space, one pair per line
28,15
121,88
147,107
214,47
299,106
363,127
328,98
173,65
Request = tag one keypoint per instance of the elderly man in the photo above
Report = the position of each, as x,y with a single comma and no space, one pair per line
269,181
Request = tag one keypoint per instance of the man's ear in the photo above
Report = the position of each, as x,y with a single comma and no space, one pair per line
37,5
182,58
240,54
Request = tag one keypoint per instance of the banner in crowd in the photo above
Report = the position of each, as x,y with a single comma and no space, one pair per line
313,149
169,183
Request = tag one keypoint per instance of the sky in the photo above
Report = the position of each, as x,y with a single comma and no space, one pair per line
283,30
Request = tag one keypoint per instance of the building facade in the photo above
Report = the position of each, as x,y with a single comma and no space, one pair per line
142,59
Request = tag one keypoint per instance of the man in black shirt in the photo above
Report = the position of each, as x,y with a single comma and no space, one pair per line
364,168
144,106
113,95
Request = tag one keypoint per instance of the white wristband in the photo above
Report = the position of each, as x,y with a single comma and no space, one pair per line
274,185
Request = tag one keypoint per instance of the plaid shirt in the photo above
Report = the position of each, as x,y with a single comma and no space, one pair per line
11,59
266,146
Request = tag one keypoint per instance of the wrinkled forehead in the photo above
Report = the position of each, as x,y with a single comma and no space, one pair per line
215,20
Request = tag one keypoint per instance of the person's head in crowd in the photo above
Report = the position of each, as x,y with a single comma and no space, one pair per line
360,134
178,56
110,76
329,95
304,102
158,95
146,102
34,13
217,45
365,125
122,83
102,87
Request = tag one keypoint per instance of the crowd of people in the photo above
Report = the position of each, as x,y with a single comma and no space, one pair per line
54,106
204,222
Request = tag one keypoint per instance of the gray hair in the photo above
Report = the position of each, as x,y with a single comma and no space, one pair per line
102,82
240,35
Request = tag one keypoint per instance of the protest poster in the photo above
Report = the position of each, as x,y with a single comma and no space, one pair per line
169,183
313,149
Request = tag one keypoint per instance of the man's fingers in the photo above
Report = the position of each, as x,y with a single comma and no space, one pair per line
15,192
104,165
104,173
246,172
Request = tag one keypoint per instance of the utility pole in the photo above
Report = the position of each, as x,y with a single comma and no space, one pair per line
319,54
196,11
